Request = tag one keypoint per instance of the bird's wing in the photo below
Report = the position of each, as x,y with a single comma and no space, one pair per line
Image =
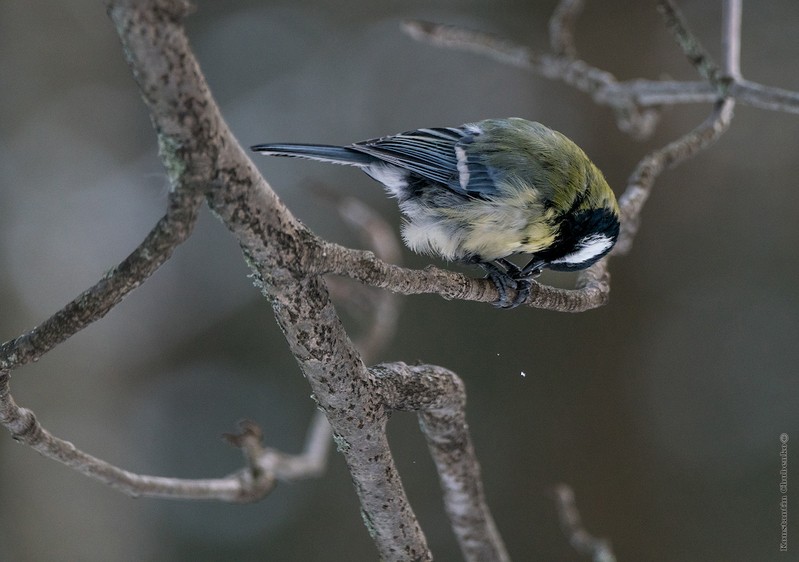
438,154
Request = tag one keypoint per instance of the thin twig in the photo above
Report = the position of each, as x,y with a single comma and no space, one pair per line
265,466
365,267
313,460
731,39
643,177
630,96
24,428
94,303
640,184
580,539
692,47
277,465
380,309
561,27
574,72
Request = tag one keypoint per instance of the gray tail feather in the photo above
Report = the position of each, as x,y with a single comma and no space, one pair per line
321,152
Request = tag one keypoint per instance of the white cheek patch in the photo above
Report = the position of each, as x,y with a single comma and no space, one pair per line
587,249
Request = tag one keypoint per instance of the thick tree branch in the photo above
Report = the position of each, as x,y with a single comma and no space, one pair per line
265,466
277,248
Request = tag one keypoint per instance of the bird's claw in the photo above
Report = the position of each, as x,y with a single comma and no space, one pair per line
509,278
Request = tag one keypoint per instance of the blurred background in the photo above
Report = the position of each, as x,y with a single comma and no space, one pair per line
663,409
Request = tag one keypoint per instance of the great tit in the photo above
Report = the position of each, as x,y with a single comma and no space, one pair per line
485,191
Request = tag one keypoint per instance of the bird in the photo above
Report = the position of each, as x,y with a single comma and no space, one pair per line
483,192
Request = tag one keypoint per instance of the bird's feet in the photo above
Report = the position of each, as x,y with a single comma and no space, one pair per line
509,276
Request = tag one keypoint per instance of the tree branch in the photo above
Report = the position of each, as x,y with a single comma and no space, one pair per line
249,484
378,309
277,247
365,267
602,86
94,303
561,28
204,161
580,539
692,48
731,38
440,398
640,183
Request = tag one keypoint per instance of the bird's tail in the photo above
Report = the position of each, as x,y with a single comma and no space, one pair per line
320,152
